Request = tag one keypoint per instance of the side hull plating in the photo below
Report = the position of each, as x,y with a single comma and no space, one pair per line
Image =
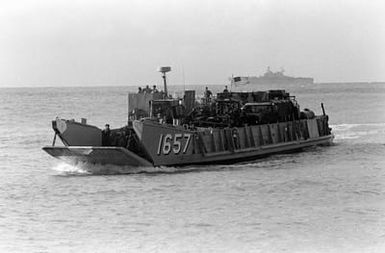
169,145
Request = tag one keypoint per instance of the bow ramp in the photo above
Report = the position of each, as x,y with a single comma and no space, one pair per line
97,155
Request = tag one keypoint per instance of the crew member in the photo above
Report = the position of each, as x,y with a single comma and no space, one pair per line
226,90
207,95
147,89
235,138
154,89
131,143
106,135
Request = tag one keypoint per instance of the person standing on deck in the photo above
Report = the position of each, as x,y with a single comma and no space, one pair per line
207,95
147,89
106,135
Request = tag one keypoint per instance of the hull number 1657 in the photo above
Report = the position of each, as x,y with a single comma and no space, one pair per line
173,142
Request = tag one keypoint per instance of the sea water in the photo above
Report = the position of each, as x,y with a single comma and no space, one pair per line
325,199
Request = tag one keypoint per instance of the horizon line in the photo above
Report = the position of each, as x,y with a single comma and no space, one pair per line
134,85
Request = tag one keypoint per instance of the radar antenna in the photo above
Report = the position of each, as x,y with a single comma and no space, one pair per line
164,70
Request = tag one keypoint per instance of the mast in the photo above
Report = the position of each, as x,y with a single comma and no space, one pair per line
164,70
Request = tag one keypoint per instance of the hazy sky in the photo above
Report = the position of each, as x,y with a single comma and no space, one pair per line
94,42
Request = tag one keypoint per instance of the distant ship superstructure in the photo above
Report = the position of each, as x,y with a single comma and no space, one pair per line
271,77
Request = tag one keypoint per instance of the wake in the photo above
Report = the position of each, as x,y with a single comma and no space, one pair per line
83,169
372,132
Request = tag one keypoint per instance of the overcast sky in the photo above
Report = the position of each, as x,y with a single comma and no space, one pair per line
113,42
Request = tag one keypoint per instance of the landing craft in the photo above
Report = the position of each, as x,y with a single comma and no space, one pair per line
164,131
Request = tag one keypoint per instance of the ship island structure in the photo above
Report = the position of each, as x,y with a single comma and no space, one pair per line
225,128
270,77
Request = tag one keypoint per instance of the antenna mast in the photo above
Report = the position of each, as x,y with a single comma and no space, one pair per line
164,70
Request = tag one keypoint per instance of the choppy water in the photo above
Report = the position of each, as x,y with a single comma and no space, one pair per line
327,199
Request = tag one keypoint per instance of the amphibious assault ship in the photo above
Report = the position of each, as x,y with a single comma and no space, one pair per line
271,77
165,131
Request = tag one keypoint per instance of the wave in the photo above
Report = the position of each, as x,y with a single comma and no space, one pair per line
370,131
96,169
69,169
84,169
345,126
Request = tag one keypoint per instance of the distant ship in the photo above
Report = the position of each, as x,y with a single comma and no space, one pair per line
271,77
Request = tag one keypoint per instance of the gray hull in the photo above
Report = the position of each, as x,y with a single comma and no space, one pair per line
288,80
168,145
172,145
122,157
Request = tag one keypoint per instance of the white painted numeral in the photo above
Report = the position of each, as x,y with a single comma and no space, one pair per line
188,136
160,143
177,143
174,142
167,144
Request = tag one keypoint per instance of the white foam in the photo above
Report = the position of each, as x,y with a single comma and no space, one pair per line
69,169
108,169
349,126
356,131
